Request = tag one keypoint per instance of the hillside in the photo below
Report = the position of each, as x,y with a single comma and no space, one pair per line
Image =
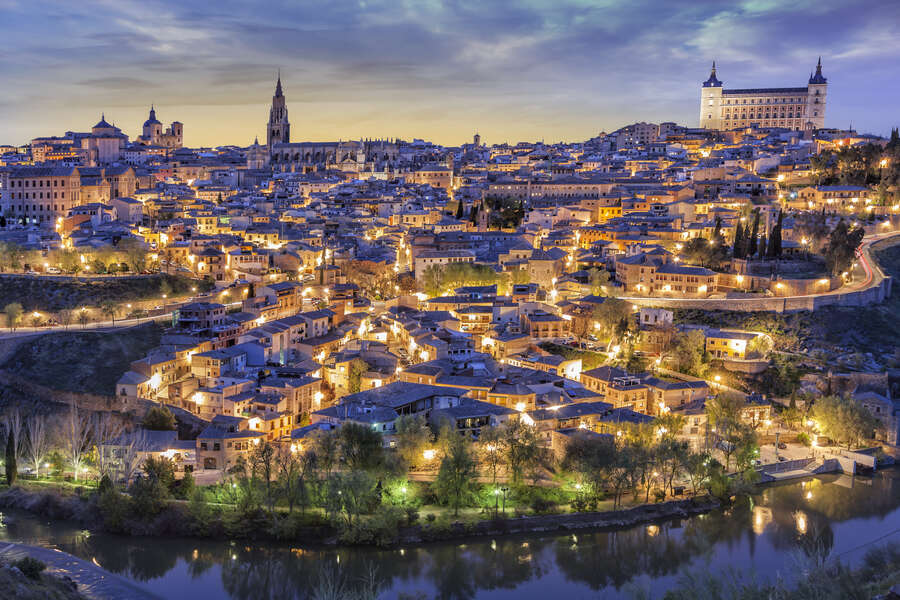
80,361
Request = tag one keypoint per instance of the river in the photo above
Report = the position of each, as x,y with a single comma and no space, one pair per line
768,535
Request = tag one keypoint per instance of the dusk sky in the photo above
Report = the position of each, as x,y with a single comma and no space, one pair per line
552,70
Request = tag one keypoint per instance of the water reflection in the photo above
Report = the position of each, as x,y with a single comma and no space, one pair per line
786,520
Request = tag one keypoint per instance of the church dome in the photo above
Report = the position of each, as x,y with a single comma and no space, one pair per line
152,120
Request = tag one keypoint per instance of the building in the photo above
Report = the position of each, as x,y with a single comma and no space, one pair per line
351,156
797,108
153,134
39,195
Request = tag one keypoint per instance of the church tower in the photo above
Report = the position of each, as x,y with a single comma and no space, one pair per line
279,129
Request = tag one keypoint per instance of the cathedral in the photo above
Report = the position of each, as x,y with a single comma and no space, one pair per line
153,134
792,108
304,157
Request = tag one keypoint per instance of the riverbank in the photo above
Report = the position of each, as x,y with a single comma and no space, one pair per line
177,520
14,583
66,577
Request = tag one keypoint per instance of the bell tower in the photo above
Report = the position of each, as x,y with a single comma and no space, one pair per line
279,128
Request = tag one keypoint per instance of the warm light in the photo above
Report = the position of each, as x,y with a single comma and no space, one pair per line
740,279
428,454
520,406
718,378
616,349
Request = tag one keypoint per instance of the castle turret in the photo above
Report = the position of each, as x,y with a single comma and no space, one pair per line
711,101
817,91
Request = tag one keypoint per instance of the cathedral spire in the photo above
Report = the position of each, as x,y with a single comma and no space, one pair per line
278,91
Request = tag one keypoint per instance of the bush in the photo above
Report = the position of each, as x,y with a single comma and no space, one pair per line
114,508
430,517
30,567
543,506
412,515
184,487
381,529
803,438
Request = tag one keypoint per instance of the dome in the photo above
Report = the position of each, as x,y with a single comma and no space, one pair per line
152,120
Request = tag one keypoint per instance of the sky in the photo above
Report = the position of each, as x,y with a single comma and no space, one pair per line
514,71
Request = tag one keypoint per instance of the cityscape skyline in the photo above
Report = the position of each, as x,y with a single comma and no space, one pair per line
563,73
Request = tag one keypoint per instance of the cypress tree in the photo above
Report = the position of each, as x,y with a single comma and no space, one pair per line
474,214
762,246
738,248
717,230
459,210
754,233
776,235
12,469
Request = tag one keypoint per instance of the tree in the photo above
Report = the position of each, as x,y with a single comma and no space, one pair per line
459,209
591,458
39,442
353,493
159,418
598,279
76,433
413,437
262,466
491,443
354,374
12,468
695,467
135,254
361,447
520,446
690,353
840,250
433,280
104,427
457,471
13,421
327,448
754,235
737,249
13,312
109,309
83,317
843,419
610,316
65,317
289,463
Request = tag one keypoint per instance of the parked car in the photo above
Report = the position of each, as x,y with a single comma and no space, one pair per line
782,446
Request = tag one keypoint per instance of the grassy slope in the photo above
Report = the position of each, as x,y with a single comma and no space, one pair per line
41,294
47,588
82,361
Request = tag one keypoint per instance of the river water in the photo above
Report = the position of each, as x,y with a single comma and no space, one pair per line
769,535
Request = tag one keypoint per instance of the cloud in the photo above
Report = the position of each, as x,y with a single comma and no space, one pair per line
575,66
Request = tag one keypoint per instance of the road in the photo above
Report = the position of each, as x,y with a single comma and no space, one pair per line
100,326
873,277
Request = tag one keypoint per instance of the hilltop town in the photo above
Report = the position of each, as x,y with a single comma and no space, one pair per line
536,298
